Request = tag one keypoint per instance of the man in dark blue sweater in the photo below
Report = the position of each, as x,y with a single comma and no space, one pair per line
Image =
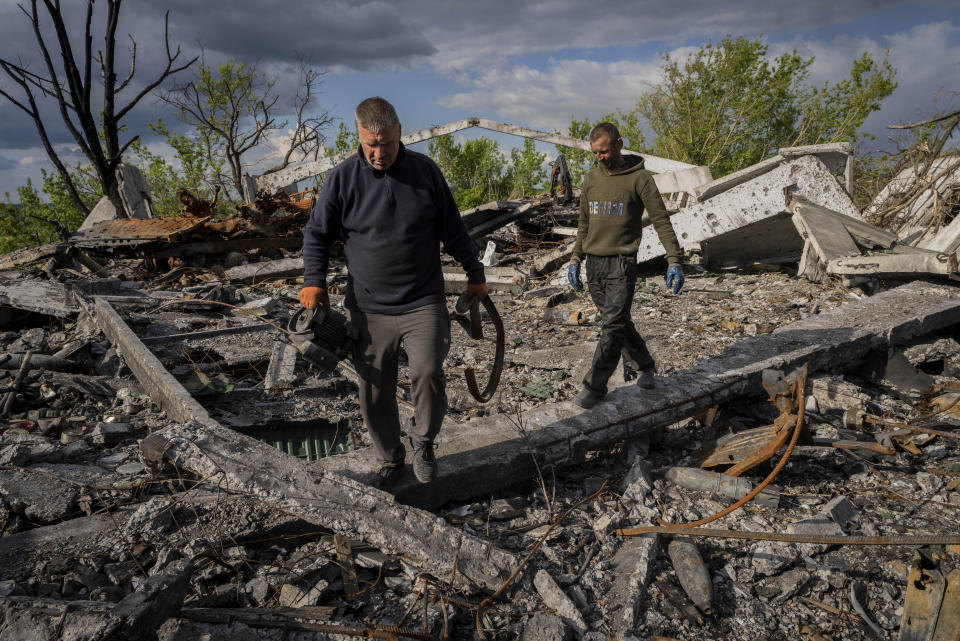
392,209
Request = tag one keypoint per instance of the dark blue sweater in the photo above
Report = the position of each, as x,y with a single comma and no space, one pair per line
392,223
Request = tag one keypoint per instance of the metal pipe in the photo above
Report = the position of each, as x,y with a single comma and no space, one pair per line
783,537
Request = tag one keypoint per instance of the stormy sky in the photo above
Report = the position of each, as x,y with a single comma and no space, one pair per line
535,64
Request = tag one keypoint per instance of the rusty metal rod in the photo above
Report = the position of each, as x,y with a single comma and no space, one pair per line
783,537
801,384
903,426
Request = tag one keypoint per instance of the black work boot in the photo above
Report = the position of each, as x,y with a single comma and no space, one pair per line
388,475
646,380
587,399
424,461
390,472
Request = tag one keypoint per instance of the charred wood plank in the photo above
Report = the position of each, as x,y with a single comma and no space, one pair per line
253,273
163,388
31,254
348,507
223,246
206,333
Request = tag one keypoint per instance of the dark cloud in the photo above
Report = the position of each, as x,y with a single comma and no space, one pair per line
7,163
325,34
356,35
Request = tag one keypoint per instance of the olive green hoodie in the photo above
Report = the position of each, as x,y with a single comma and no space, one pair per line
610,209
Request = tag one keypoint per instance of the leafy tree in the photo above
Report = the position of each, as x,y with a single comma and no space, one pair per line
34,221
836,112
526,170
475,170
346,140
727,106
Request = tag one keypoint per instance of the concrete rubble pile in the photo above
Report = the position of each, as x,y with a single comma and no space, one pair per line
172,468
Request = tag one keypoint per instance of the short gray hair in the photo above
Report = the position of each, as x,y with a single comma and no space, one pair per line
376,114
607,129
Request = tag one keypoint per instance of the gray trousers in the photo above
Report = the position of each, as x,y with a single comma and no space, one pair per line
424,333
612,281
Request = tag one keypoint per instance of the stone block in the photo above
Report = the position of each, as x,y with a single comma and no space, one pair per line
841,511
556,599
110,433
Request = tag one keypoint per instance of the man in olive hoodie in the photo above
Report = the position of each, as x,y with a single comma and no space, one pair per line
612,200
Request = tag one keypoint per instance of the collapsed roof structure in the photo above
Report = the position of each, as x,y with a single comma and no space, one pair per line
158,414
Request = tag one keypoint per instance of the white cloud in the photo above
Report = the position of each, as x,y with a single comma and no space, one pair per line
547,99
926,57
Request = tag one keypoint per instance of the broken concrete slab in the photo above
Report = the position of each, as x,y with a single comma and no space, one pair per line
633,567
841,511
103,210
134,192
41,498
346,506
486,454
828,155
756,199
555,599
41,296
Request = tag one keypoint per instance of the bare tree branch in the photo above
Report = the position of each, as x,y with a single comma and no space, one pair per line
70,82
929,121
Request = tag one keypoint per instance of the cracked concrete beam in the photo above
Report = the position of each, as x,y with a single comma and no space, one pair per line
687,176
894,265
489,453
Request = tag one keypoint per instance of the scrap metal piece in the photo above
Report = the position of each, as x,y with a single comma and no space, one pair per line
475,329
692,573
747,449
949,403
921,606
948,624
876,629
129,231
676,605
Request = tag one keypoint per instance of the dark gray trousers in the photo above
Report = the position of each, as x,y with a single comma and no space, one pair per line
424,333
612,281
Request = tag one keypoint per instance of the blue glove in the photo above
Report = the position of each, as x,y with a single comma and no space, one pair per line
573,277
675,278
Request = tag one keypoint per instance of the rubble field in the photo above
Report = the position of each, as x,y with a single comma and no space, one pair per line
172,468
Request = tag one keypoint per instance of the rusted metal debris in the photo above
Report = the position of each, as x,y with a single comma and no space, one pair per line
785,537
747,449
921,607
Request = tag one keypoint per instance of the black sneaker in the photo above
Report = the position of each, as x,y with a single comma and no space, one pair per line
424,462
387,476
587,399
